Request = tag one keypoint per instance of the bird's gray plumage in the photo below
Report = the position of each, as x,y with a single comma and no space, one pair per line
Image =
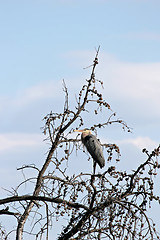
94,148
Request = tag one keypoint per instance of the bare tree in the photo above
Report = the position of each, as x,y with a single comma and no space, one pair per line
110,205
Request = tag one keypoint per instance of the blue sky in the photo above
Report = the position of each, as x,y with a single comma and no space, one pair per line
35,35
43,42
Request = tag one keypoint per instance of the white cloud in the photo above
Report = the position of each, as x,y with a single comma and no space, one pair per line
41,91
10,141
38,92
132,86
123,81
20,108
127,80
140,142
138,81
135,87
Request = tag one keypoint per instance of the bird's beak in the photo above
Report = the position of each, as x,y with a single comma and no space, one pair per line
78,131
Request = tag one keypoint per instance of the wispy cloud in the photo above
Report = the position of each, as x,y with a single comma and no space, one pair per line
38,92
131,80
29,106
132,86
140,142
43,90
16,141
124,81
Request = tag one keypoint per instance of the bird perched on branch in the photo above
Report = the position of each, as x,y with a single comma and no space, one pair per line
93,147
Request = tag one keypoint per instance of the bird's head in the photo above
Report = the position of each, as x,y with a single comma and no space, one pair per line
85,132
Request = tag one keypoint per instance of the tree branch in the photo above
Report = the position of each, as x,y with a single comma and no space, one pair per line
41,198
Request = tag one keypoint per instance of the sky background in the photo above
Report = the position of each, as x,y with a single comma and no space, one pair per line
44,42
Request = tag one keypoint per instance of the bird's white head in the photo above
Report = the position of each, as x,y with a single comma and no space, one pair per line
85,132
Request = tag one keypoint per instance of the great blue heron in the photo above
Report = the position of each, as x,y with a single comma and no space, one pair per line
93,147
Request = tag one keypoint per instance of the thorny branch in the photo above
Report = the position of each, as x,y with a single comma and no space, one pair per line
107,205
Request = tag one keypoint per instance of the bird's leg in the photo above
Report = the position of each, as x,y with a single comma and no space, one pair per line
94,166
